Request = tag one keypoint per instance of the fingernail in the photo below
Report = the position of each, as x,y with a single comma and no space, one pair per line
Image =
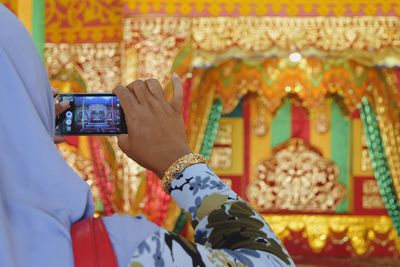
65,104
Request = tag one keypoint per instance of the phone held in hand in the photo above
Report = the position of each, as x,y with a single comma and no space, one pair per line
91,114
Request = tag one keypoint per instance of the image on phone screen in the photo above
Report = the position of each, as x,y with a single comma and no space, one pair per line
91,114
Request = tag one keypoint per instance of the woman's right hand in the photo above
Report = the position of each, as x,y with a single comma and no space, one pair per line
156,135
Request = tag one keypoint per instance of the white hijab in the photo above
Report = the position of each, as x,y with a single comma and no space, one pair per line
40,195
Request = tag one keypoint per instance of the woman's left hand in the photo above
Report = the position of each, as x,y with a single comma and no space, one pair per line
60,108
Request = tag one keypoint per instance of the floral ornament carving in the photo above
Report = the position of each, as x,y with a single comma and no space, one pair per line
296,178
157,41
99,64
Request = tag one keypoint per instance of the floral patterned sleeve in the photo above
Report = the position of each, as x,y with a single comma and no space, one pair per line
228,231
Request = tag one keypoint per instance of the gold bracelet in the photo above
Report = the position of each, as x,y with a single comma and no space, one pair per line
178,166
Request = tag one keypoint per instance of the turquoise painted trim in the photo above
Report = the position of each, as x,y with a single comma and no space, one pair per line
340,150
281,125
38,25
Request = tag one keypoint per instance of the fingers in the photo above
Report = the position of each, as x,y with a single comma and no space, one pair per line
61,107
55,92
140,90
59,139
127,99
155,88
176,101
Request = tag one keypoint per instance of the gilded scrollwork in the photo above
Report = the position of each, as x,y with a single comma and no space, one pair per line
296,178
361,233
156,41
221,158
99,64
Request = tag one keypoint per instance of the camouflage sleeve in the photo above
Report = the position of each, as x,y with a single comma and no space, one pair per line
228,231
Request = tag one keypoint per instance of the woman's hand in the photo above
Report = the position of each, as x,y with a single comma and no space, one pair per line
60,108
156,135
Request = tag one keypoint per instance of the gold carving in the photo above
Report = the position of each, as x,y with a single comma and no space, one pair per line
156,41
371,198
360,232
224,135
372,202
98,64
260,127
221,158
216,34
366,165
297,177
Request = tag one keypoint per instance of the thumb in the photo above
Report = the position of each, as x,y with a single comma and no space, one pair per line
176,101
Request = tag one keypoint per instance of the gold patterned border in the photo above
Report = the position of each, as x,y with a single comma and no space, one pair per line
325,34
157,40
360,232
265,7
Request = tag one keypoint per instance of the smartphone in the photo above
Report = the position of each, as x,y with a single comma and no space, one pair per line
91,114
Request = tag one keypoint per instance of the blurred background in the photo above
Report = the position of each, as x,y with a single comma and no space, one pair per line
296,104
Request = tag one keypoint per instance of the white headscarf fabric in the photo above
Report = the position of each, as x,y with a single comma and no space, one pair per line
40,195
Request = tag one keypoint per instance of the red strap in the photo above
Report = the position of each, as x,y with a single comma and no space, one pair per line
91,244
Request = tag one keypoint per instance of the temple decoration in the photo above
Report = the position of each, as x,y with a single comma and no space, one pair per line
371,198
156,43
296,178
380,163
273,79
264,7
157,39
354,235
99,65
89,21
221,157
387,108
217,46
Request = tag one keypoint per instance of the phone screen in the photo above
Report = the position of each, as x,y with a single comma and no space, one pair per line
91,114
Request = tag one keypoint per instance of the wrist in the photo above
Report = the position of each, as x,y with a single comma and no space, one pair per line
169,159
179,166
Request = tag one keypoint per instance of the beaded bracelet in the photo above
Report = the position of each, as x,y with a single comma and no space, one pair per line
178,166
